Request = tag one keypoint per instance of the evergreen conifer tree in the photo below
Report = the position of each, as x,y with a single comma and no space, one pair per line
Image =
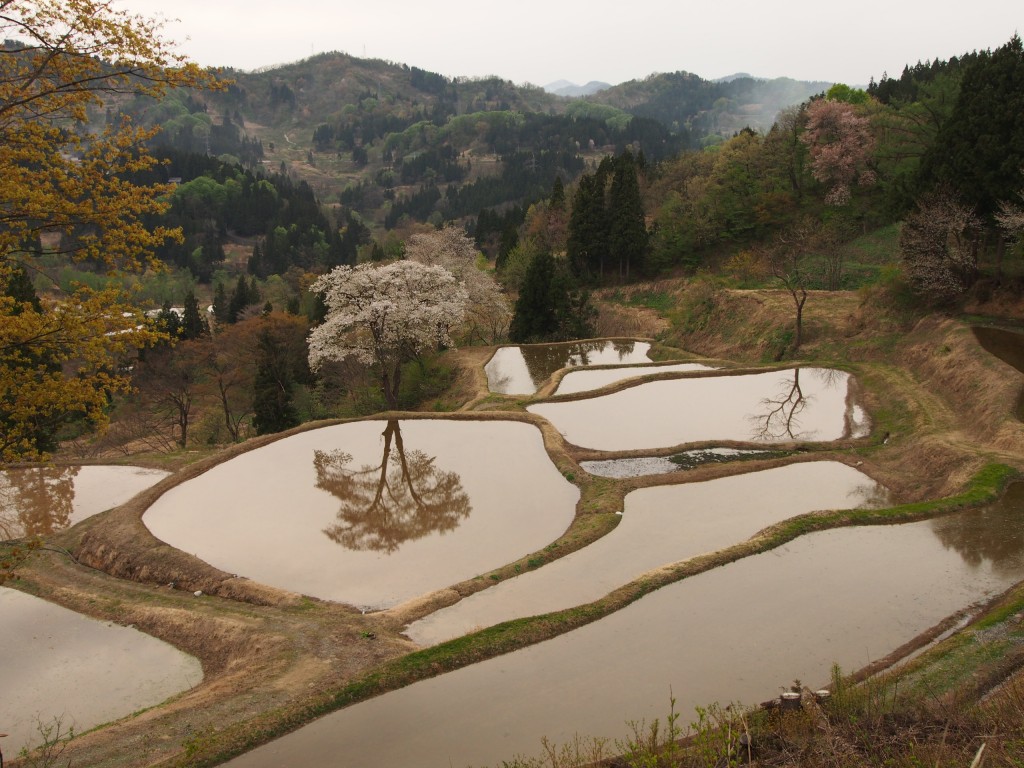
193,324
273,410
240,299
557,199
979,150
627,234
220,303
535,318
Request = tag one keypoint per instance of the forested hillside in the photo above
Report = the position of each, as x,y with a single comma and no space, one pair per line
397,144
280,176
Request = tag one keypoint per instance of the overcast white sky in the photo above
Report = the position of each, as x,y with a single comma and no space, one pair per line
540,42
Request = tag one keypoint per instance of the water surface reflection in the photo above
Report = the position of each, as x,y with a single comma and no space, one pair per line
810,404
660,525
736,633
521,370
38,501
385,505
57,663
584,380
416,505
992,536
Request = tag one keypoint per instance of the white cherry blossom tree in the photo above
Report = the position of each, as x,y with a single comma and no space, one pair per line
488,313
386,316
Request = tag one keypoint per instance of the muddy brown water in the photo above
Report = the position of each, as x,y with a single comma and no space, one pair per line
59,664
373,513
37,501
808,404
521,370
739,632
660,525
1008,346
584,380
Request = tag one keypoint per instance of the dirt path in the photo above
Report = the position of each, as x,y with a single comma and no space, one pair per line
272,663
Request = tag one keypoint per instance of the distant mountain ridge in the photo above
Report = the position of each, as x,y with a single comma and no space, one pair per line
396,143
566,88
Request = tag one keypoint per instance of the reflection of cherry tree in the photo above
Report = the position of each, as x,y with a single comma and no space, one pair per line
386,505
624,348
36,502
778,418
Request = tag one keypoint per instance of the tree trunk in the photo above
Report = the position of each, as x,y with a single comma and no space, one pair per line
800,300
391,382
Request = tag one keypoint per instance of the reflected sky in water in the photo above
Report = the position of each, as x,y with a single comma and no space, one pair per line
521,370
58,663
660,526
737,633
810,404
584,380
373,512
37,501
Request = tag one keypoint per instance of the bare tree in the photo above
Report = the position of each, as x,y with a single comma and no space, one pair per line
787,260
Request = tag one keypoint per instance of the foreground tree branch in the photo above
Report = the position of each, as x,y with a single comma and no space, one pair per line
64,167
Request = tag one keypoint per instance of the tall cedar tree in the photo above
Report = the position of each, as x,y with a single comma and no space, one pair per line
587,243
979,151
193,324
549,308
272,406
627,237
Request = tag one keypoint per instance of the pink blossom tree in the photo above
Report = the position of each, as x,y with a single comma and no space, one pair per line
840,143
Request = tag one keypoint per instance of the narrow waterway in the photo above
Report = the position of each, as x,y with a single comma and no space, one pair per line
586,379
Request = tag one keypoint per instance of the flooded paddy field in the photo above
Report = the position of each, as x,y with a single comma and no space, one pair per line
659,465
587,379
808,404
58,664
522,370
373,513
38,501
660,526
740,633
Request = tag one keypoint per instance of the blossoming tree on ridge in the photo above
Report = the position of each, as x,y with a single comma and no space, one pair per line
386,316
